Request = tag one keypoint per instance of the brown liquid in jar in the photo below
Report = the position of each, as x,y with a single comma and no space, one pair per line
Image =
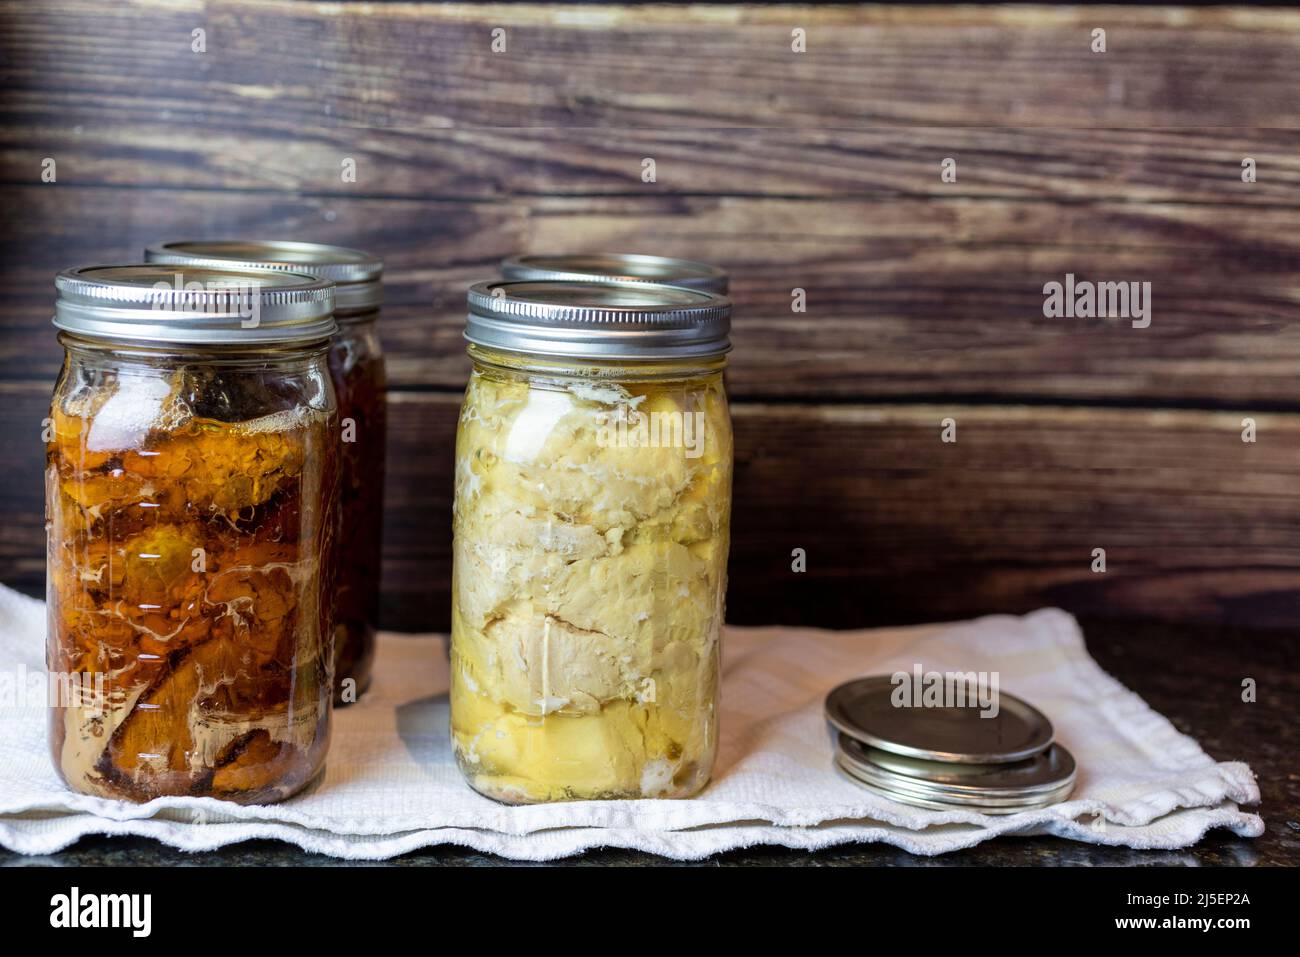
357,369
191,516
360,382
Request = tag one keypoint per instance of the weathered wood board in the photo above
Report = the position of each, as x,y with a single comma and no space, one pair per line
817,171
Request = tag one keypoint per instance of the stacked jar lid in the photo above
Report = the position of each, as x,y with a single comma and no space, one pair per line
993,760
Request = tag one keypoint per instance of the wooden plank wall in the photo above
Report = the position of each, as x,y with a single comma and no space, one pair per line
818,171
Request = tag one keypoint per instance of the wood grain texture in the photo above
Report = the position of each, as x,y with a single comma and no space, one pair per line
818,171
897,525
426,65
255,153
907,298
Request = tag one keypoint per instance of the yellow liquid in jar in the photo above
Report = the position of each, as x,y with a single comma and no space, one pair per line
591,533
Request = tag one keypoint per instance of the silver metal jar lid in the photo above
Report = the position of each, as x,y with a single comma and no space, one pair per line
586,320
356,274
618,267
864,709
1044,773
938,803
172,304
1046,779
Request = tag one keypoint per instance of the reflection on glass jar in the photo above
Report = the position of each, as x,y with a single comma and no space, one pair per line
191,496
360,381
591,522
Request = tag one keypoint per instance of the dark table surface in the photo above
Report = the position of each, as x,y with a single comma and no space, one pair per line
1193,676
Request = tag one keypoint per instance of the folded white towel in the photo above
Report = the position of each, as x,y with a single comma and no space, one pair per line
391,784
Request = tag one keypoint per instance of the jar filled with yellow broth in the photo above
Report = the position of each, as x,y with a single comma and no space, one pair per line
591,526
191,505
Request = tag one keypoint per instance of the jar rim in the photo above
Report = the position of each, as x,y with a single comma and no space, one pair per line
195,352
617,267
606,320
357,274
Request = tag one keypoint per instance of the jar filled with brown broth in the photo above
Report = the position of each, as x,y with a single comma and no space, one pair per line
356,361
191,499
591,527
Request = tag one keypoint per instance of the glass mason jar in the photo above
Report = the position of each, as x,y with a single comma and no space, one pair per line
356,361
191,505
591,523
617,267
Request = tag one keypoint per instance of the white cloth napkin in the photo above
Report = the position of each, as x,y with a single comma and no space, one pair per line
391,784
